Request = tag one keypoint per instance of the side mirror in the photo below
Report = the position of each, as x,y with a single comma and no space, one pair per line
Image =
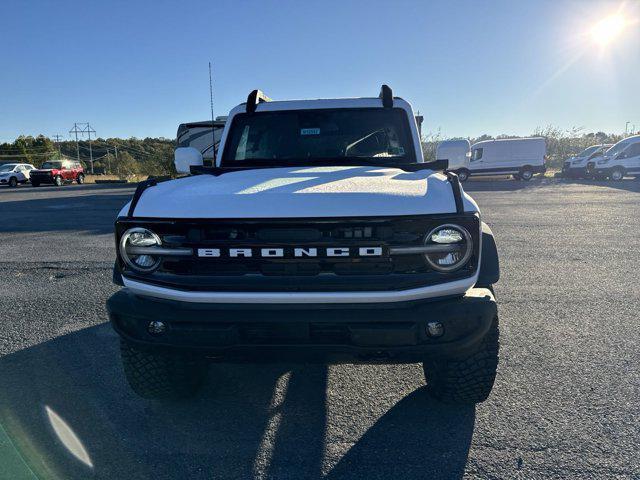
186,157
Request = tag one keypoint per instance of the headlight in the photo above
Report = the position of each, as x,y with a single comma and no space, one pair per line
451,247
136,249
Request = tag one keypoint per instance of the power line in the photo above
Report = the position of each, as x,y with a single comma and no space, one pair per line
76,131
82,128
58,138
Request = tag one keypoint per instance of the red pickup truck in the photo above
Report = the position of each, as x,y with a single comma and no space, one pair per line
58,172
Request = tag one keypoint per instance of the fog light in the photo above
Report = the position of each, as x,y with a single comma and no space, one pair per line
156,327
435,329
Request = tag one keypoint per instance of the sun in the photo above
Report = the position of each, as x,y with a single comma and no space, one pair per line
608,29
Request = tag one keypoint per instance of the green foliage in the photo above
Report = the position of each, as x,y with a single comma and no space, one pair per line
149,156
27,149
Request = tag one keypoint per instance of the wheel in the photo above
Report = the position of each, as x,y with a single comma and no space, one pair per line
469,380
35,184
80,179
161,375
463,175
13,182
617,174
58,181
526,174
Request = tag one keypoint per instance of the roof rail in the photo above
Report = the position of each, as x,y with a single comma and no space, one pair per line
254,98
387,96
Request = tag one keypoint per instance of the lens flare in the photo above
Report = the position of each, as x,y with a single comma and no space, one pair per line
608,29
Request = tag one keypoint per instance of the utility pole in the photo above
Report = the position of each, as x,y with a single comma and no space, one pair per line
88,130
76,131
58,138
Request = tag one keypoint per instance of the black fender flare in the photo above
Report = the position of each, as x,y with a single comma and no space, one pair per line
489,262
117,275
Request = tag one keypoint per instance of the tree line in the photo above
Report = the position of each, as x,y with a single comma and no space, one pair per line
154,156
561,144
113,156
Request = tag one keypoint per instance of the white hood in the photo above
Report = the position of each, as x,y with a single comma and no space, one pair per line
302,192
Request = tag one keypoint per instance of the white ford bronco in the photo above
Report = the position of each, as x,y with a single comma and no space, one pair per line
318,234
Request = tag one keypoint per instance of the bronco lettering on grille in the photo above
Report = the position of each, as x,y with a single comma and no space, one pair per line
290,252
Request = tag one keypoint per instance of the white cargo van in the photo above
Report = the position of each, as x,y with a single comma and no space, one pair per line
620,160
520,157
457,152
576,167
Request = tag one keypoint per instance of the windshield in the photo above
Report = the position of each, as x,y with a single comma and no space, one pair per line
307,135
588,151
617,148
8,167
48,165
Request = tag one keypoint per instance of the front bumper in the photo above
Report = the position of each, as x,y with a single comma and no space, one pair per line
42,179
387,332
575,172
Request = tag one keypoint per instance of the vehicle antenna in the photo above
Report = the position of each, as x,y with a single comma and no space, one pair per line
213,129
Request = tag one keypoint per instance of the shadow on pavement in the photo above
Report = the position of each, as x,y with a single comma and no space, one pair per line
65,405
627,184
94,213
28,188
417,438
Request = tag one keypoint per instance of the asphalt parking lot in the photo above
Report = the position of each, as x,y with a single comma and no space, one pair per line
566,402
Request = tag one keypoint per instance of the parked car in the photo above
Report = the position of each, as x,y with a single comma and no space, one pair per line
520,157
620,160
576,167
320,234
457,153
13,174
58,172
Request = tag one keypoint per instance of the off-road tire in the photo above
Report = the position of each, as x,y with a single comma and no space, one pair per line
469,380
80,179
526,174
57,181
463,175
157,375
13,182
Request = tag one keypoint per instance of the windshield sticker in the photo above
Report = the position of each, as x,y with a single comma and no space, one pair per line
309,131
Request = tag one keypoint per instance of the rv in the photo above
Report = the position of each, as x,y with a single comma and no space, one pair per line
520,157
457,153
203,136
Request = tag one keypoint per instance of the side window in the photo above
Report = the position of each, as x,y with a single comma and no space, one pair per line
477,154
241,152
631,151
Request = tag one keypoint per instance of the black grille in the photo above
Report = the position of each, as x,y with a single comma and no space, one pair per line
386,272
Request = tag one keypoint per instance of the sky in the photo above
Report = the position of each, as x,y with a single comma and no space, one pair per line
138,69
